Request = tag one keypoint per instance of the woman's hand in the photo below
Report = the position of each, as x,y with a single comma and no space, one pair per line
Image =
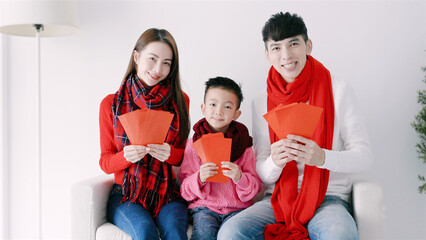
207,170
159,151
134,153
303,150
234,171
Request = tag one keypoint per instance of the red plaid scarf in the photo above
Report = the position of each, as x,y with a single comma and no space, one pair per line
239,133
149,182
293,210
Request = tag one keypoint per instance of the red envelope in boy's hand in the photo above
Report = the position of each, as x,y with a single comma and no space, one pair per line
214,148
146,126
296,118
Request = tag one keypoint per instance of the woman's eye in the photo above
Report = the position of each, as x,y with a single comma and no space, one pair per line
168,63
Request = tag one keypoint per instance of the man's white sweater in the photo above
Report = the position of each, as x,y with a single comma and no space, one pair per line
351,148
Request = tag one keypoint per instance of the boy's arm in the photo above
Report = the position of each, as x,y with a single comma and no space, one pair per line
192,188
249,184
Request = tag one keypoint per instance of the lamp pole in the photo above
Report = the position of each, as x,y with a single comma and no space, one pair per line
39,28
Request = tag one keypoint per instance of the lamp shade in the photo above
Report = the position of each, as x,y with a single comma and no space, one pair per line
58,17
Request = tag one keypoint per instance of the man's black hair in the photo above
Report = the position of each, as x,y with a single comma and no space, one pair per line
284,25
227,84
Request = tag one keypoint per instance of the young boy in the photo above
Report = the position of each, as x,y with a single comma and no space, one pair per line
308,180
214,203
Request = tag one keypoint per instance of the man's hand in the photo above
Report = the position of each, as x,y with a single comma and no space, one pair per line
303,150
279,154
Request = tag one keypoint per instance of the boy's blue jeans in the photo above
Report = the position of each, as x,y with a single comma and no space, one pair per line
332,220
136,221
206,223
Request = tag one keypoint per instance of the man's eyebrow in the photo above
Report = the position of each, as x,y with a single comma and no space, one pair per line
294,40
274,44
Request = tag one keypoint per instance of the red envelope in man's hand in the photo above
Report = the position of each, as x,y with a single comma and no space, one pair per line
214,147
146,126
296,118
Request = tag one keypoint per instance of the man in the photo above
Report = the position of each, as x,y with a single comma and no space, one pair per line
308,179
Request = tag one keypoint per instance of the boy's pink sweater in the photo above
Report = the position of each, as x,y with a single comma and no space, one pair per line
221,198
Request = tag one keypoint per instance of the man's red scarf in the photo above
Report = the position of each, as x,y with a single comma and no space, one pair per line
293,210
239,133
149,182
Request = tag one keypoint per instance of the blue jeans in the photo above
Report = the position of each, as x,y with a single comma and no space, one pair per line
332,220
206,223
136,221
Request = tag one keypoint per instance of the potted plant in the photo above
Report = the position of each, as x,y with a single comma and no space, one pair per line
419,125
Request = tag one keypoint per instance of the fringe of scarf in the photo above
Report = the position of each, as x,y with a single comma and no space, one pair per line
294,209
148,182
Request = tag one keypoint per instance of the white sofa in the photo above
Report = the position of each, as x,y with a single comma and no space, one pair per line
89,201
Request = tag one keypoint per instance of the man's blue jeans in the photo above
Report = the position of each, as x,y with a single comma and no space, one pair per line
136,221
332,220
206,223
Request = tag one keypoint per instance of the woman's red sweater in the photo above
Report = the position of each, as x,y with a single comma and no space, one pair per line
112,160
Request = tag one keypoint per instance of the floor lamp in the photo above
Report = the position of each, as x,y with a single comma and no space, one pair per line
38,19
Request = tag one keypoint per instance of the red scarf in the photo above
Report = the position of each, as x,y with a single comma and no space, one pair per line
149,182
239,133
293,210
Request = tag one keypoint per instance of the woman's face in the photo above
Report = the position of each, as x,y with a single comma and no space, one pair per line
153,63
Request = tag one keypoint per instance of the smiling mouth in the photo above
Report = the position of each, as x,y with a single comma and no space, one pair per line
289,66
153,76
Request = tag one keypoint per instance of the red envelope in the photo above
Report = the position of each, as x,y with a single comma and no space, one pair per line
214,147
296,118
146,126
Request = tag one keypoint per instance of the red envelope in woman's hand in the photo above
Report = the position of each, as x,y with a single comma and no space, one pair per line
296,118
214,147
146,126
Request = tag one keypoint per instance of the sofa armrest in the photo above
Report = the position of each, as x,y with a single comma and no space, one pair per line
88,204
369,209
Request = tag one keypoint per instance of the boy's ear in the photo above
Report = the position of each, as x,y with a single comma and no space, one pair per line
203,108
237,114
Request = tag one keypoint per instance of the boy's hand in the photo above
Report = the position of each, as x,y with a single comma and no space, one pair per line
159,151
134,153
207,170
234,171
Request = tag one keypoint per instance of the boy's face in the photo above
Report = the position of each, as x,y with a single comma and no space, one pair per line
220,108
288,56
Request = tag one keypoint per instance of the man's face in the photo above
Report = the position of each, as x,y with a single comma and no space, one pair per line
288,56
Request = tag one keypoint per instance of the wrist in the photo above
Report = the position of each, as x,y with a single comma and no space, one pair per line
322,158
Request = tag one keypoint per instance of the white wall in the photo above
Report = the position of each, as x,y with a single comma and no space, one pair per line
378,47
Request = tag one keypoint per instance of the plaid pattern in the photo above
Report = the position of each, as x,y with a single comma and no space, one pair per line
239,133
148,182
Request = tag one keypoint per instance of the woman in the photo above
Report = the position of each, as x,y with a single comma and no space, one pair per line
145,195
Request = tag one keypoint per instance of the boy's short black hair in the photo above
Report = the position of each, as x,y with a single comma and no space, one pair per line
284,25
227,84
